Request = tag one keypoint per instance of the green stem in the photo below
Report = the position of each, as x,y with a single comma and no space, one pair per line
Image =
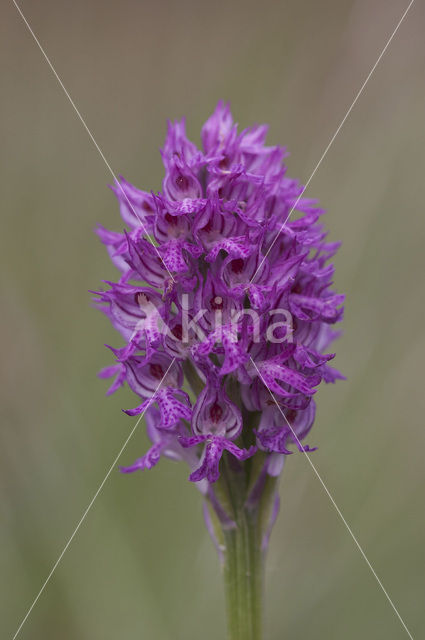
241,508
243,577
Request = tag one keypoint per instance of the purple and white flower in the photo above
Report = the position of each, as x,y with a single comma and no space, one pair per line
221,249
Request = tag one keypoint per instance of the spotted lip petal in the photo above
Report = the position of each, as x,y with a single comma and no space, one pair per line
224,247
278,429
213,450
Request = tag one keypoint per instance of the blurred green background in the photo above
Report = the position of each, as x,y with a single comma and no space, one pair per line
141,565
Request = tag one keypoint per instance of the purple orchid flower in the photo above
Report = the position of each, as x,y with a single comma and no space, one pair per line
222,290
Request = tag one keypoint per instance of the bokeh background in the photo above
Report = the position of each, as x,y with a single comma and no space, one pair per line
141,565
